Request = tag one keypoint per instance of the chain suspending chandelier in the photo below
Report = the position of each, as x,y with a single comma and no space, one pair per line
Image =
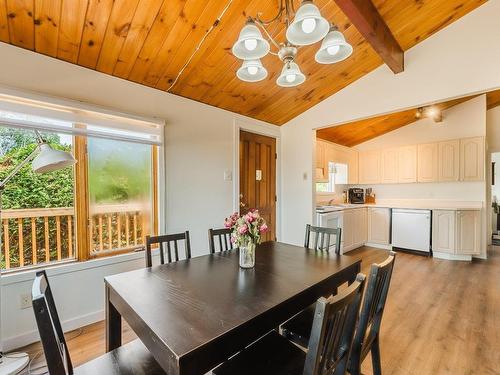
304,27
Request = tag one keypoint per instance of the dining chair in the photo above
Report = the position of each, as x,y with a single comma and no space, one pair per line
221,237
168,239
328,351
371,317
132,358
298,328
323,238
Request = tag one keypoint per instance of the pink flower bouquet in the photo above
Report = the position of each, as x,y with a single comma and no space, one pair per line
246,228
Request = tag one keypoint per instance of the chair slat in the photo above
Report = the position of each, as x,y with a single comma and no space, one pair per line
169,251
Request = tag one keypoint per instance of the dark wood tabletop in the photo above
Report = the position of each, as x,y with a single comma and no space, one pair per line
194,314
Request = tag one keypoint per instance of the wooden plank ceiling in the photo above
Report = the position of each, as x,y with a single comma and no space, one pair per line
357,132
149,41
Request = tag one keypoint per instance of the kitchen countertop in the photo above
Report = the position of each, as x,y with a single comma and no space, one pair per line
407,204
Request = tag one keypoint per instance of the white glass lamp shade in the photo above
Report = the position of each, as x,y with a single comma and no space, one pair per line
333,49
290,75
250,44
308,26
251,71
49,160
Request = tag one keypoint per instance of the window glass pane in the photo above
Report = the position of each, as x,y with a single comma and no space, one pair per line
340,175
120,192
322,187
38,212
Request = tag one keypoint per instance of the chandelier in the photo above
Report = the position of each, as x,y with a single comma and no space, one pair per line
304,27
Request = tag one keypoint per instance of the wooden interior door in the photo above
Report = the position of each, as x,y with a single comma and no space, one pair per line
258,178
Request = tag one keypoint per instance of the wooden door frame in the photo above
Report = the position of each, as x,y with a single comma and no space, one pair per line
268,131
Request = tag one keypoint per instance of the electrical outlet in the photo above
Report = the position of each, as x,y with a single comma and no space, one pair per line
25,301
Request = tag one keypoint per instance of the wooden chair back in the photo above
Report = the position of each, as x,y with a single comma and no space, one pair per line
323,240
170,252
222,237
49,327
332,331
373,307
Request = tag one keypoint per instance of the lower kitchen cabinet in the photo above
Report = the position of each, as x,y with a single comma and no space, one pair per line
456,232
443,231
379,225
468,238
354,233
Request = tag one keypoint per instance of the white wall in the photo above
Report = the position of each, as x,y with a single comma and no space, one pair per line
199,148
435,70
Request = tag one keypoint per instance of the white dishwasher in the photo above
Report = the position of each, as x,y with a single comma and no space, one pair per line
411,229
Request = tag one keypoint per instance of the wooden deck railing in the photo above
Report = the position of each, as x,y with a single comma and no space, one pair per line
118,227
33,236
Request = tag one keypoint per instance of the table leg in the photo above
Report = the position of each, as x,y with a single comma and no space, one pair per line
113,325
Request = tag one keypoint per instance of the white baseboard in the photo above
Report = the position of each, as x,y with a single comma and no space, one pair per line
12,343
448,256
379,246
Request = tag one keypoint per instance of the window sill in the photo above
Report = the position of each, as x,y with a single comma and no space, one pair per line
14,277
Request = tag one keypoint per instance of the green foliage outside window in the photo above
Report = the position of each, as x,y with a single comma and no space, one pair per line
31,190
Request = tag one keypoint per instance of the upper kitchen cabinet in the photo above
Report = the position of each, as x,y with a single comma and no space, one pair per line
327,152
389,160
407,164
321,161
353,165
449,161
369,167
472,159
427,163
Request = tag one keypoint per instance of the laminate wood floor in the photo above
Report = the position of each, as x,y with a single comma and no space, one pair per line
442,317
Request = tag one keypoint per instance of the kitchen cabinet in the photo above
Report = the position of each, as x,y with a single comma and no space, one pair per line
321,162
389,166
472,159
360,225
456,232
449,161
369,167
468,232
344,155
328,152
379,225
354,232
348,230
443,231
407,164
352,164
427,163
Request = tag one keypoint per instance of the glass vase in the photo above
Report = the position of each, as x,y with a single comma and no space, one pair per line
247,255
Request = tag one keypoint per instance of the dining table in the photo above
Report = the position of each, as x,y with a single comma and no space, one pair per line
194,314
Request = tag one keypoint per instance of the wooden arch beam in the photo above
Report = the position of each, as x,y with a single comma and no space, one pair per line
365,17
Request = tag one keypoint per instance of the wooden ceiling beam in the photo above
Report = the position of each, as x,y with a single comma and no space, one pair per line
365,17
